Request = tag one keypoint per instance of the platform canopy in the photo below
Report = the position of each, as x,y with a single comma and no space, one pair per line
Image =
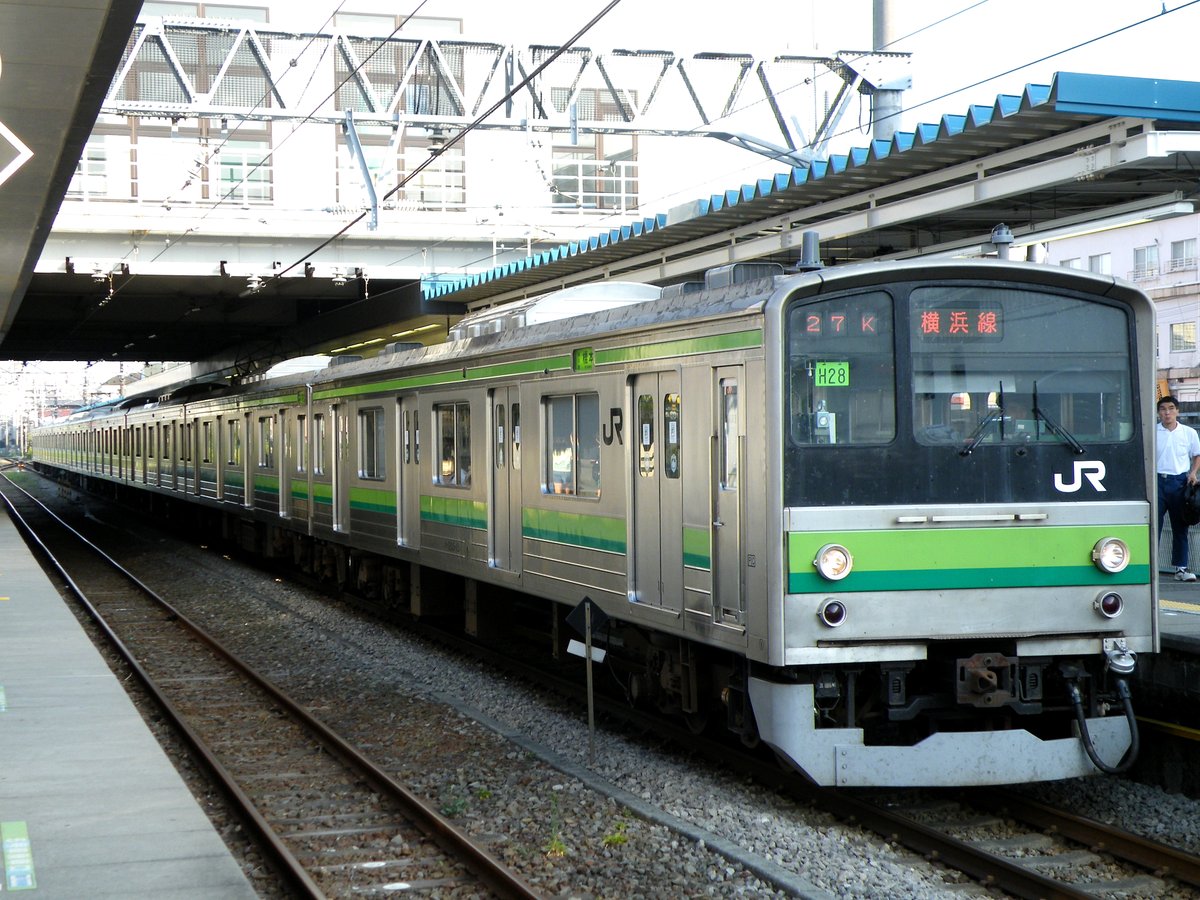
57,59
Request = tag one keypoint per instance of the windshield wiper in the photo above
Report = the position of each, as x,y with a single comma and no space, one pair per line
1054,428
994,416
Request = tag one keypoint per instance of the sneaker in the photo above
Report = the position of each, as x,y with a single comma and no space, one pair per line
1183,574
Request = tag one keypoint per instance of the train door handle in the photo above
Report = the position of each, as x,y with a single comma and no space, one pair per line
717,523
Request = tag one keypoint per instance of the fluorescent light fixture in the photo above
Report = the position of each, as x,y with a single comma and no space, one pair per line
419,330
1115,217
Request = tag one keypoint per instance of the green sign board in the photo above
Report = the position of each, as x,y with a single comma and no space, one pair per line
832,374
583,360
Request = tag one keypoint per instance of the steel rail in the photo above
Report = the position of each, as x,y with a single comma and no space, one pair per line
498,877
1162,859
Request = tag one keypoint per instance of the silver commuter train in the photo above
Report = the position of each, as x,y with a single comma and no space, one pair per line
892,519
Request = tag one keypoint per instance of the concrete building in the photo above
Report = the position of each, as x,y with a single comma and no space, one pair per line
1161,256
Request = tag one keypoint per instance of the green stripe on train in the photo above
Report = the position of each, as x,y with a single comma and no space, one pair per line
373,500
1037,556
736,340
579,529
268,484
697,548
527,367
463,512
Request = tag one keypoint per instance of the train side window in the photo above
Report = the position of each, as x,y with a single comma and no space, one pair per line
573,445
645,435
516,435
671,438
235,442
499,425
301,444
266,442
371,444
453,424
729,434
318,444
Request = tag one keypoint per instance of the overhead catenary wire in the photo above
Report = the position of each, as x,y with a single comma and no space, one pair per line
462,132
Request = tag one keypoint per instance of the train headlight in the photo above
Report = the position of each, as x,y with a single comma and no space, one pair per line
1110,555
1109,604
832,613
833,562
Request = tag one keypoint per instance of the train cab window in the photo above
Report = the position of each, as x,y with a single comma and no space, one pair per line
371,444
452,421
572,462
841,371
318,444
515,409
671,436
266,442
235,442
1001,365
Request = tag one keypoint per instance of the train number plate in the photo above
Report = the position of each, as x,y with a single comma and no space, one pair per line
832,374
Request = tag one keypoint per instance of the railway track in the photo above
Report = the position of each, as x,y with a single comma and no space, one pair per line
998,837
334,823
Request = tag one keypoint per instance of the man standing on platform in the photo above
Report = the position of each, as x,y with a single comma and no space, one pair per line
1178,462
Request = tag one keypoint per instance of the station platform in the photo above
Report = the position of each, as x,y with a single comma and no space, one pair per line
90,805
1179,613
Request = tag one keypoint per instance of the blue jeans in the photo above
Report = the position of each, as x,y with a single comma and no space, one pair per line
1170,501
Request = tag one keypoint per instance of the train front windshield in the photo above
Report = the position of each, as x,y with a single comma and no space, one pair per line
929,393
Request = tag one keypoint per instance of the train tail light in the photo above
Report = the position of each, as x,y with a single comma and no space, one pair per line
832,613
1109,604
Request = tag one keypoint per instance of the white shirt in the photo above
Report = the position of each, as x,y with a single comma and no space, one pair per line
1176,449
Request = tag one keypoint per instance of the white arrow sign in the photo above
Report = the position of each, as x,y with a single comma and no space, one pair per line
24,154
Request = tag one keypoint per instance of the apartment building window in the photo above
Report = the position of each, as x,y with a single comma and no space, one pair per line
1183,255
245,172
1073,263
1145,261
91,173
225,11
1100,263
1183,336
599,171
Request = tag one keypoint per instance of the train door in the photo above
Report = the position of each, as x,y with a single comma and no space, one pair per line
504,506
657,542
728,599
408,479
